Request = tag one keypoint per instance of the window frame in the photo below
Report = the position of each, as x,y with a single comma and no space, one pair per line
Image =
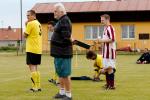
91,31
128,31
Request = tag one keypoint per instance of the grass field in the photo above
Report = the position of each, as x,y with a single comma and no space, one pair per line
132,80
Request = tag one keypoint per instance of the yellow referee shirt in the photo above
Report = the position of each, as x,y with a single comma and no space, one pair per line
98,62
34,38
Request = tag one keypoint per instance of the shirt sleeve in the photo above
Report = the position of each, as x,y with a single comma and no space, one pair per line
28,28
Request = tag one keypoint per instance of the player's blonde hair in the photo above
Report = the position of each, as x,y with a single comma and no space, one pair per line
106,16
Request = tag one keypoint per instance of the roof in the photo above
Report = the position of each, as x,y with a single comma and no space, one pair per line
97,6
10,34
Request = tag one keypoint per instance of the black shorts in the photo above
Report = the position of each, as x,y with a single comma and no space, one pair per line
33,59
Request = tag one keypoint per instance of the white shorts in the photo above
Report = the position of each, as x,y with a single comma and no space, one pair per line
108,63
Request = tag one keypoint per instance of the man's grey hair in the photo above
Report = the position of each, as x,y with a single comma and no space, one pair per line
60,7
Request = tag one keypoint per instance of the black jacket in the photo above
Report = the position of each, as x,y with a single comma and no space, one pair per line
145,57
61,45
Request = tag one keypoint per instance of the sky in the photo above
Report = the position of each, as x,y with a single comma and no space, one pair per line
10,10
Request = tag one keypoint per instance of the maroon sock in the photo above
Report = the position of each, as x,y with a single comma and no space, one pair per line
107,80
111,77
111,83
111,80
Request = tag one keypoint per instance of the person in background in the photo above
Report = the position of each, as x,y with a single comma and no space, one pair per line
145,57
97,64
51,25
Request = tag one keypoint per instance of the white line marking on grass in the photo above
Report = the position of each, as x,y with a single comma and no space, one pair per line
6,73
12,79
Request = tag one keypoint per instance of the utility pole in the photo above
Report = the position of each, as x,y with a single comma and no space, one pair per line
21,41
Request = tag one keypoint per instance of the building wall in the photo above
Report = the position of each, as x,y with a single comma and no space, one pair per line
8,43
45,42
78,33
140,27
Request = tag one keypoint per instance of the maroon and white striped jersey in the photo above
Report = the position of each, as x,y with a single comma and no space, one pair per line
109,49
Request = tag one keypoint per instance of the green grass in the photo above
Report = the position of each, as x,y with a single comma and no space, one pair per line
132,80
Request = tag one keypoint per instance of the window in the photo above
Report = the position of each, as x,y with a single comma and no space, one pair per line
128,32
93,32
101,30
88,32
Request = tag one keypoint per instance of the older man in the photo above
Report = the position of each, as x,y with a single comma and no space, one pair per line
61,50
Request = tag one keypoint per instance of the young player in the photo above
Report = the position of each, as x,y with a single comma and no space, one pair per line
51,25
97,64
108,51
33,37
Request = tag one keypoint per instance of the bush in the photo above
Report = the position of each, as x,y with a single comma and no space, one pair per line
6,48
